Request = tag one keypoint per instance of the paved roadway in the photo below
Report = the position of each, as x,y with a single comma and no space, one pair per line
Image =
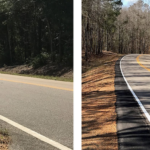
43,106
136,69
132,124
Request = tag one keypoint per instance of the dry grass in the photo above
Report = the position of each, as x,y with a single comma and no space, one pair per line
4,139
50,71
98,103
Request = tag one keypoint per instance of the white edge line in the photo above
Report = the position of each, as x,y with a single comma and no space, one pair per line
137,99
35,134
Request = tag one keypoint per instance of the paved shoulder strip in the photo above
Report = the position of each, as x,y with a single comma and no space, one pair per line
132,129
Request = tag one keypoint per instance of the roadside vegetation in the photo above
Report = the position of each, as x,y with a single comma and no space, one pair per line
51,71
99,116
36,33
108,26
4,139
67,78
36,39
109,31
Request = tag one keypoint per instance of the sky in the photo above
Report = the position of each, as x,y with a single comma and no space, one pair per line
127,3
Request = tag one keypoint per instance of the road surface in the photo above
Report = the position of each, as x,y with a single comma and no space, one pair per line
136,69
133,124
39,105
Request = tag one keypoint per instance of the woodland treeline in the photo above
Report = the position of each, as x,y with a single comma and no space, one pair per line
106,25
36,31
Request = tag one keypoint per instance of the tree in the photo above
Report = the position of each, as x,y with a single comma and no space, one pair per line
133,29
98,17
36,29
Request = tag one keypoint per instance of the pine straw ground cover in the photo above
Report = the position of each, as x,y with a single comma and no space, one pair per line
98,102
4,139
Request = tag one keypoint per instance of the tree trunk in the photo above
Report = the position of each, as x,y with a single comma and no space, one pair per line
39,36
9,44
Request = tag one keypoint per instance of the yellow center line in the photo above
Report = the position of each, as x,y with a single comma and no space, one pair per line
66,89
137,59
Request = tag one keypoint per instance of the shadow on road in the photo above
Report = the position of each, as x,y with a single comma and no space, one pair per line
132,126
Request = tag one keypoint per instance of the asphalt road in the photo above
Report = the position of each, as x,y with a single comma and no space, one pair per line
44,106
132,125
138,77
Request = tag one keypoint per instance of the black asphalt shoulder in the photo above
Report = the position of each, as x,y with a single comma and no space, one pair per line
133,129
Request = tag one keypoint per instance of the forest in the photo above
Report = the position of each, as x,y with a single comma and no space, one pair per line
106,25
35,32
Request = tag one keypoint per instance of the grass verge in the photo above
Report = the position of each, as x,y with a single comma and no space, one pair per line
40,76
98,102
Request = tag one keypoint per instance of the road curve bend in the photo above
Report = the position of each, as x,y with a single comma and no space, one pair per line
132,87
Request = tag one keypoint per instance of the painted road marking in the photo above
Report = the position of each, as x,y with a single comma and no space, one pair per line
66,89
137,99
137,59
35,134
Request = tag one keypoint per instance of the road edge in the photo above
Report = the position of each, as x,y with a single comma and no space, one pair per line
35,134
125,124
134,95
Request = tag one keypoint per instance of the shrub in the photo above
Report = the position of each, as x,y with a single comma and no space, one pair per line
40,60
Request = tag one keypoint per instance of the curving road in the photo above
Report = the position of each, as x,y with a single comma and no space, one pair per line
136,70
43,106
132,84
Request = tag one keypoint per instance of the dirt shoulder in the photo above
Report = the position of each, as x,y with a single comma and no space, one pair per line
98,102
49,71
